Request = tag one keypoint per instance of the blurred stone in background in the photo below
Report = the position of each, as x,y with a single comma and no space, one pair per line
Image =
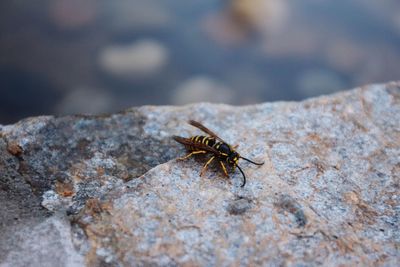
85,101
199,89
134,16
264,16
139,60
72,14
70,56
316,82
240,19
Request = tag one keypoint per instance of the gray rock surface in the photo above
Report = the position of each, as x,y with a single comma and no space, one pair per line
108,190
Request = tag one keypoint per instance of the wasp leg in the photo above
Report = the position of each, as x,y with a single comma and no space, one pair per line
224,169
205,165
192,153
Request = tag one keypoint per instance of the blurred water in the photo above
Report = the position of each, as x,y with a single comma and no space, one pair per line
96,56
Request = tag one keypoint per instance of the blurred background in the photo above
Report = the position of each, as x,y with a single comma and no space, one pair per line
97,56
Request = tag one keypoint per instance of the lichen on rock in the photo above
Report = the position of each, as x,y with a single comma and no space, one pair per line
328,192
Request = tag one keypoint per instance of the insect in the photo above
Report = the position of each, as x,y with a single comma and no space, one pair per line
214,145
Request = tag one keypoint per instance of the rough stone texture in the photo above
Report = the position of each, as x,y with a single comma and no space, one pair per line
114,195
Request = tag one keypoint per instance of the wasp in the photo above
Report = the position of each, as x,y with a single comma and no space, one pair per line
214,145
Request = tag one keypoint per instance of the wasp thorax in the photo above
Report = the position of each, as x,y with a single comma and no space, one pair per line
224,148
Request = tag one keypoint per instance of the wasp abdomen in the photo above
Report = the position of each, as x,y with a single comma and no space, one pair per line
205,140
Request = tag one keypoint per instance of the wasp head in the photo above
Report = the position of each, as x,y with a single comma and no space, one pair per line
233,157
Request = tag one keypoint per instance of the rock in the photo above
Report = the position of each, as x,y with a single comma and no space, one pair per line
115,194
54,234
20,208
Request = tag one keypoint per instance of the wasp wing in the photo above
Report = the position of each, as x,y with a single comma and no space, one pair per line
188,142
206,130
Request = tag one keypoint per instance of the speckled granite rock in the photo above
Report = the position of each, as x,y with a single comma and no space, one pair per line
109,191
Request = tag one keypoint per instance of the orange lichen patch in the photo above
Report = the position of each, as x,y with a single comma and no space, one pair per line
363,211
277,222
170,209
120,226
81,172
100,171
356,121
93,206
351,197
91,257
367,213
391,201
77,172
320,146
64,189
249,227
96,235
352,244
190,263
125,175
82,146
100,231
366,107
14,149
396,170
394,93
314,137
124,160
346,244
174,250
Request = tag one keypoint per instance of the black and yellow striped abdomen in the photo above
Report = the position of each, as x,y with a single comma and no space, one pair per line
205,140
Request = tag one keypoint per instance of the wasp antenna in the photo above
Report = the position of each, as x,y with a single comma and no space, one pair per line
244,176
255,163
